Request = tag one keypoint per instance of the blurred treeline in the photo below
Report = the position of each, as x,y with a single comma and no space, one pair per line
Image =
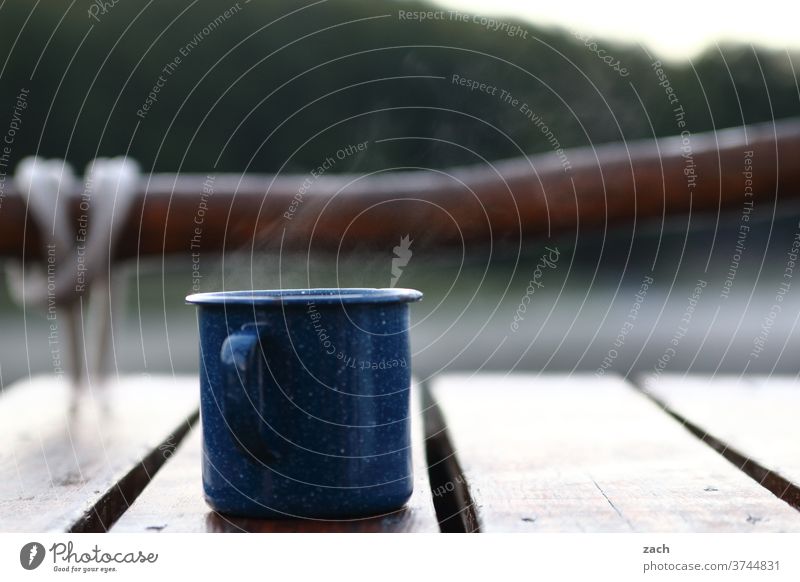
270,88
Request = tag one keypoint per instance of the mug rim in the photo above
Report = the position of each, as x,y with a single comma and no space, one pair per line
322,295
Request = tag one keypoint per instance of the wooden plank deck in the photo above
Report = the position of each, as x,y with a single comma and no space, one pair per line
586,454
496,453
74,461
174,501
752,420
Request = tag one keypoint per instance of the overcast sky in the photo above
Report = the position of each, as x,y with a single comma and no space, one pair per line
672,29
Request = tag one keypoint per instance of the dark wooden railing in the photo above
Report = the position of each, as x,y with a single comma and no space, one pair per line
523,197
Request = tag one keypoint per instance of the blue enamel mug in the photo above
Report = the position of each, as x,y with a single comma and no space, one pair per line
304,400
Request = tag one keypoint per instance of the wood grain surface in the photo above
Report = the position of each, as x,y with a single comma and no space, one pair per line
174,501
74,460
751,419
557,453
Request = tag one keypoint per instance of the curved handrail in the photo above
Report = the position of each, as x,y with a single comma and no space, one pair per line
539,195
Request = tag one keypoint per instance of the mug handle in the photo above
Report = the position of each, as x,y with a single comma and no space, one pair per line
243,370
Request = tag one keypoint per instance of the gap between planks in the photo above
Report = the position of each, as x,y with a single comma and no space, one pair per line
108,509
454,507
682,406
579,453
74,459
173,501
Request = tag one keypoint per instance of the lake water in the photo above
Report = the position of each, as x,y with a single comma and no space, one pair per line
582,305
